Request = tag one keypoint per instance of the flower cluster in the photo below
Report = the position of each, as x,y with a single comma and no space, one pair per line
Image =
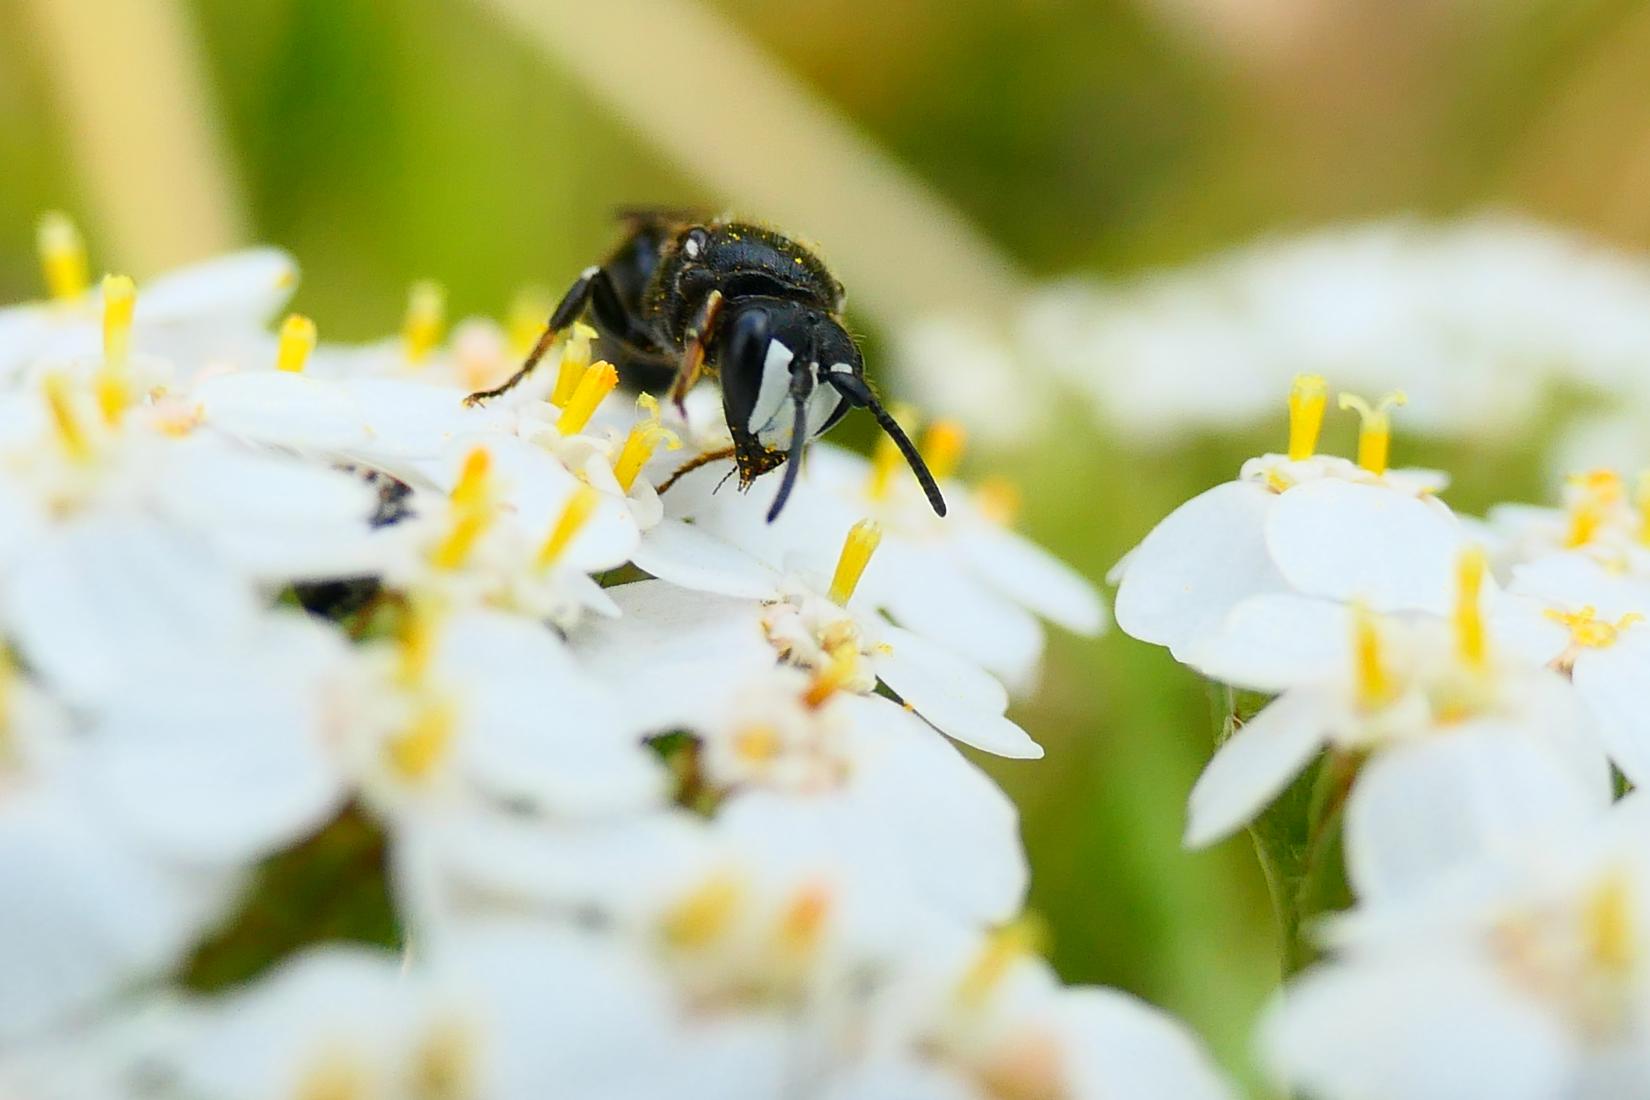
1465,692
702,832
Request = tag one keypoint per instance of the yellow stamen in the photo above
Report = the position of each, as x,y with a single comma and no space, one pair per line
62,256
574,515
1596,494
71,433
1006,946
416,644
426,315
416,751
802,924
474,478
111,384
704,915
857,548
644,438
942,447
886,459
575,361
1375,436
336,1077
1607,922
298,338
1307,398
1641,500
843,667
1471,638
998,500
1375,684
596,384
525,321
757,744
472,511
445,1066
1588,630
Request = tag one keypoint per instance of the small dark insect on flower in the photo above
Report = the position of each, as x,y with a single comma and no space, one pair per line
742,303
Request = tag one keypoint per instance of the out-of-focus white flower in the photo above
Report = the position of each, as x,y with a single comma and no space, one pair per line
1296,522
689,640
1473,320
1401,683
977,374
1518,973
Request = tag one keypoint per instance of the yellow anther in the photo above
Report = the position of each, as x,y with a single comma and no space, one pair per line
802,924
1641,501
1003,949
1374,682
1471,638
942,447
575,361
426,315
472,511
857,548
415,651
1375,436
575,514
1595,495
525,321
298,338
998,499
71,432
757,744
644,438
62,256
596,384
1607,924
842,668
119,302
416,751
704,915
1307,398
1588,630
886,459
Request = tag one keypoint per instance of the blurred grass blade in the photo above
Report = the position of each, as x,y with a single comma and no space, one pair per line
694,86
137,105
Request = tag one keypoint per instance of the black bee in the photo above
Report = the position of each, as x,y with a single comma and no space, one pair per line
747,305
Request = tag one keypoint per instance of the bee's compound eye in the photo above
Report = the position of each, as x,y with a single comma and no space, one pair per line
694,245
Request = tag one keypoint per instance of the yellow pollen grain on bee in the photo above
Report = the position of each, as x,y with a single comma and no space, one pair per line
704,915
421,330
1374,683
62,256
575,361
644,438
298,339
942,447
417,750
526,317
1588,630
802,924
593,388
863,539
1608,924
66,422
1002,950
575,514
1375,432
1471,636
1308,396
886,458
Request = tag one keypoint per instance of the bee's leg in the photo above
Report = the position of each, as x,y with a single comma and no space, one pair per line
858,393
693,347
591,283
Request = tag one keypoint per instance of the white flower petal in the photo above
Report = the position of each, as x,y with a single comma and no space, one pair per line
1121,1048
283,409
684,555
958,698
1033,578
1612,682
1255,765
1276,641
1195,565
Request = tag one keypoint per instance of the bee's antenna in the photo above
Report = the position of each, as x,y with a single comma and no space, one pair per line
793,462
856,391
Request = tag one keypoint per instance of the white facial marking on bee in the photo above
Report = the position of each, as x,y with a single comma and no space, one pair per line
691,248
771,395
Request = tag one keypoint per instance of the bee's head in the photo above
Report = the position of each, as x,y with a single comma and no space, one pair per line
789,371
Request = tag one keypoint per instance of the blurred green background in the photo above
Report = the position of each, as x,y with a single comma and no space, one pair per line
382,142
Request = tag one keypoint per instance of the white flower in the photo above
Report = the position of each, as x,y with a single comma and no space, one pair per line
1294,522
1398,683
692,642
